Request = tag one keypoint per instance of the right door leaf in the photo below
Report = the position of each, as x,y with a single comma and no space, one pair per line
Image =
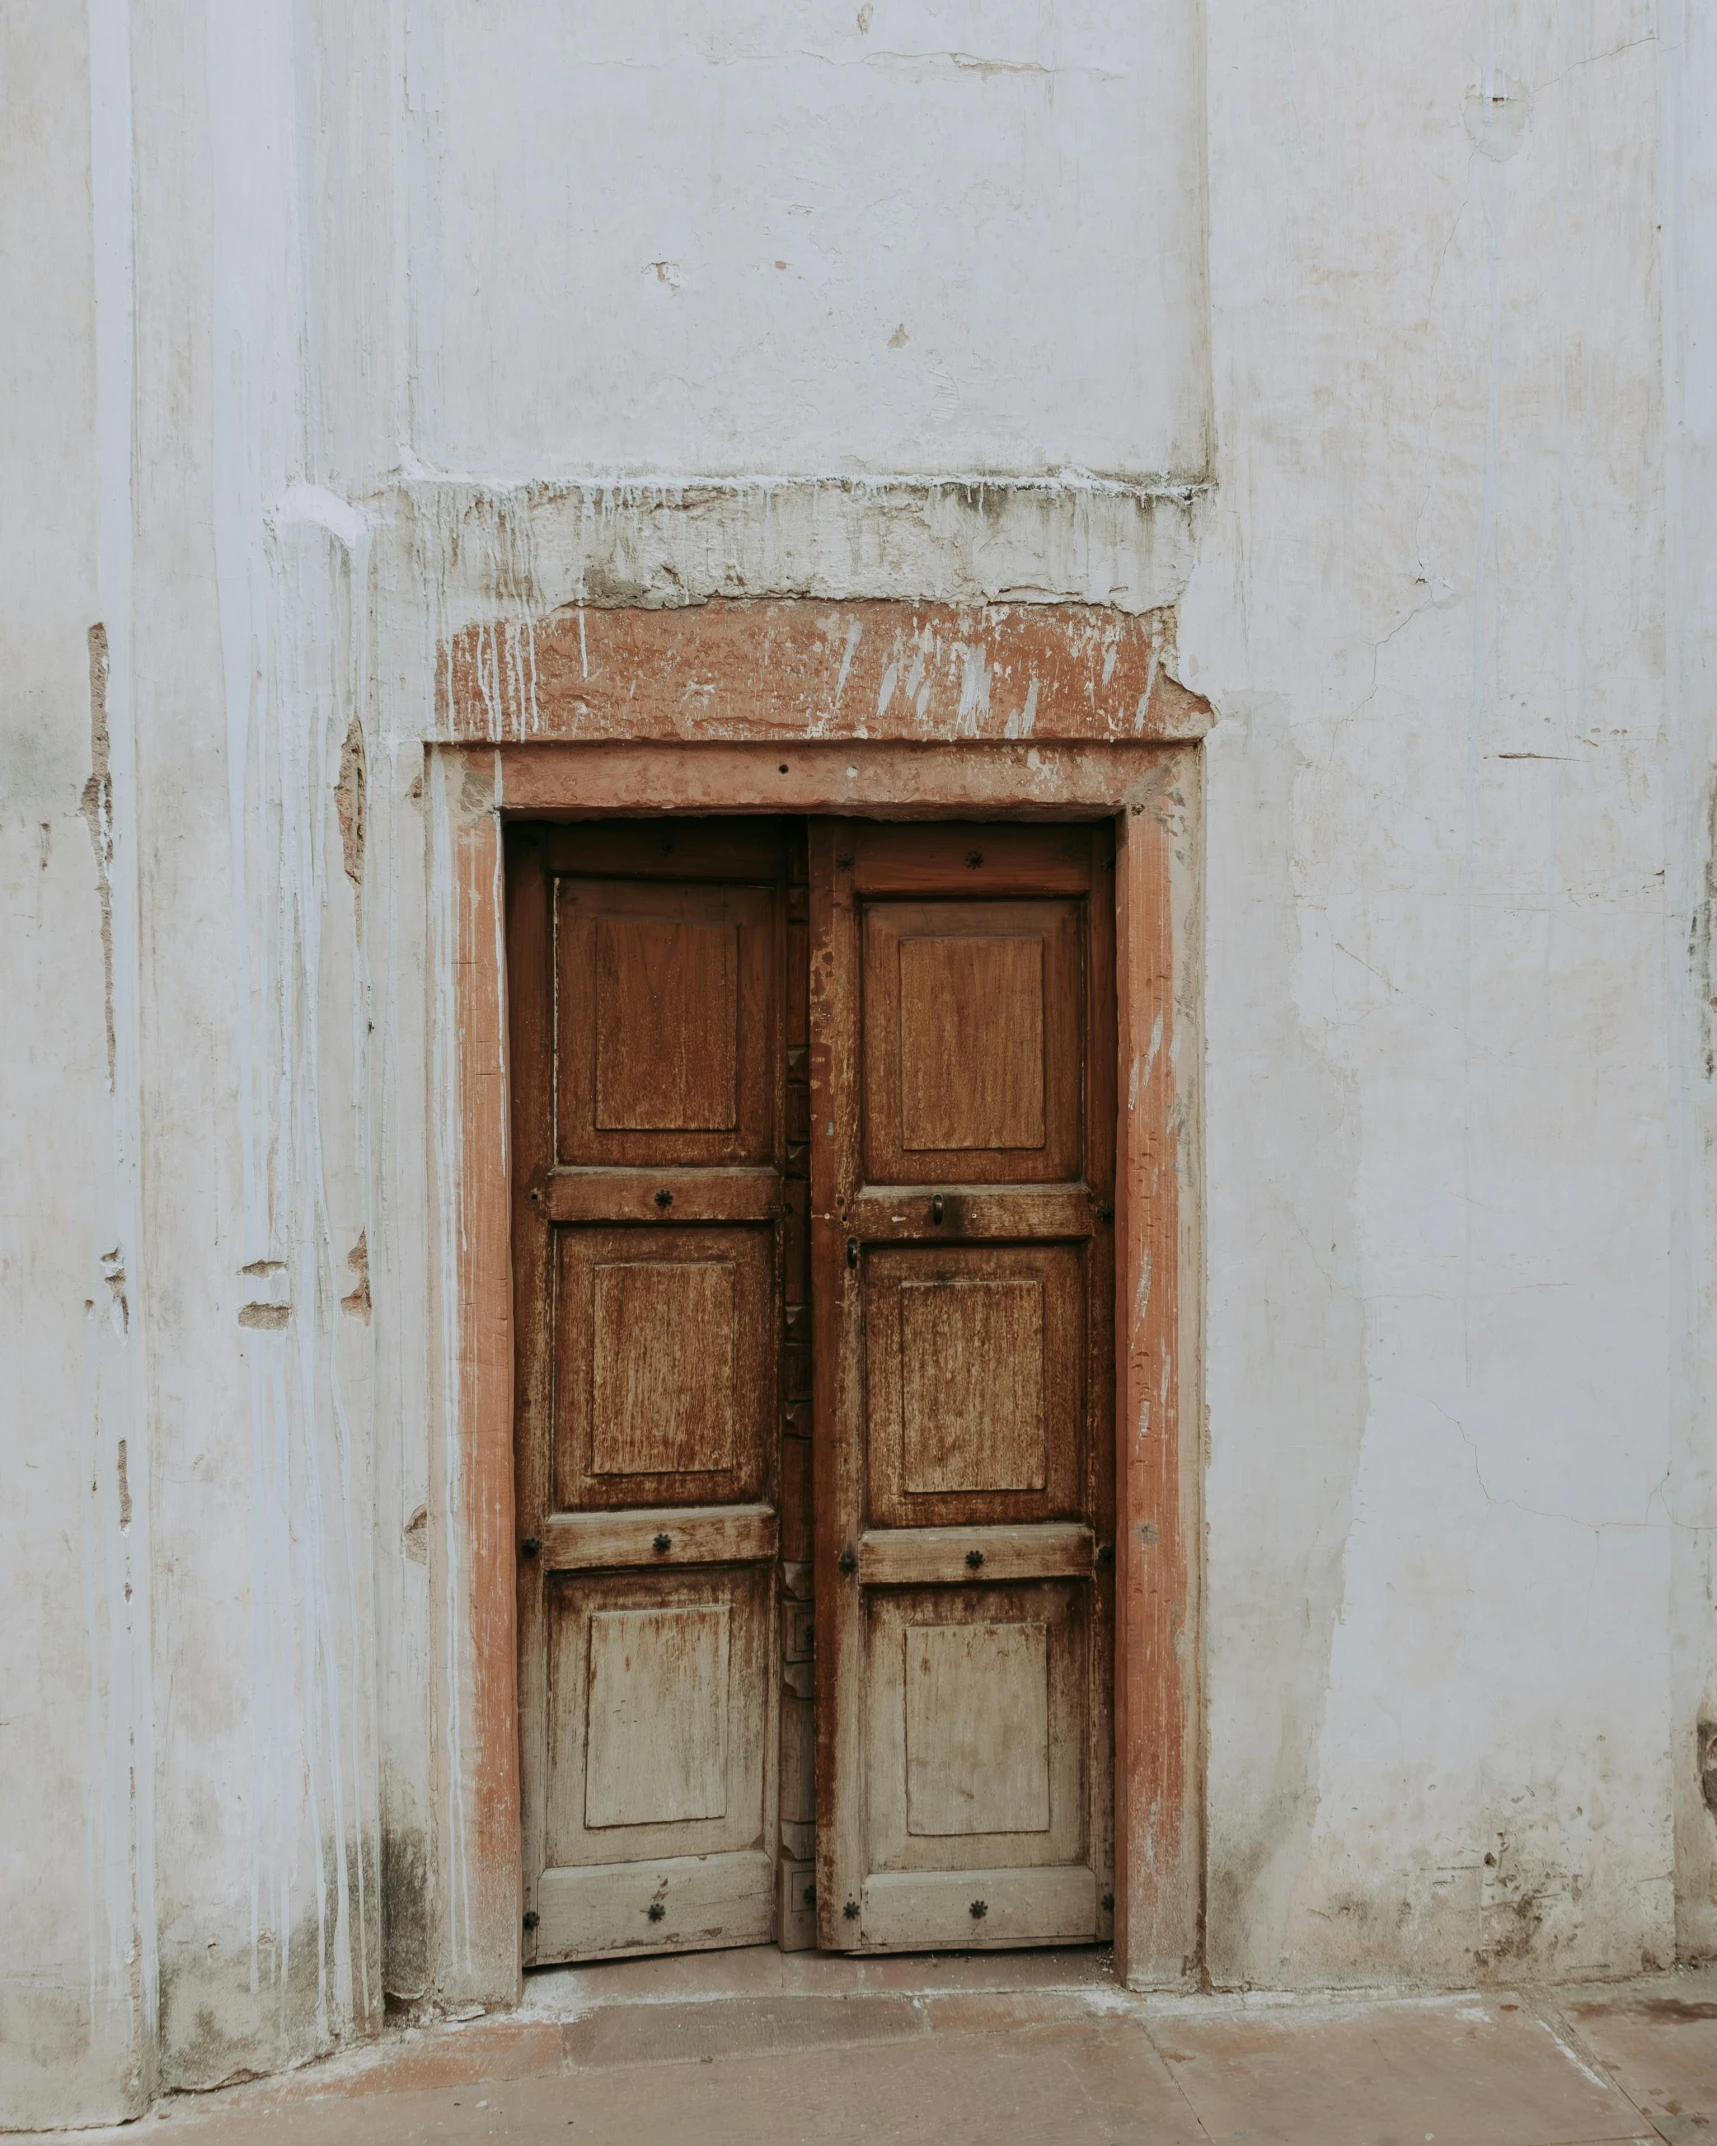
961,1169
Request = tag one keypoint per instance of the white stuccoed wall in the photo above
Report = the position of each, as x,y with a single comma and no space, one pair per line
1446,1310
303,323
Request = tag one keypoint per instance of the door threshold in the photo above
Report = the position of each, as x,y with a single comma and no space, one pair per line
764,1971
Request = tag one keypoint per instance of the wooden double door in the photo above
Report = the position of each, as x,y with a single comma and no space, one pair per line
813,1276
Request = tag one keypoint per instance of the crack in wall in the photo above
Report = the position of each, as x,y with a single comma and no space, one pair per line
96,806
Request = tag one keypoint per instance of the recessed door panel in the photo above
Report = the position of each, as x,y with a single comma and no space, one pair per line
976,1704
972,1044
665,998
974,1393
659,1722
666,1361
976,1732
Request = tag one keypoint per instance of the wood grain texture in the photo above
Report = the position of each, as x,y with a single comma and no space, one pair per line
977,1728
1157,1848
656,1715
895,783
662,1398
485,1755
696,1535
902,1214
784,670
662,1723
634,1195
973,1407
648,1226
914,1557
961,1390
706,1901
667,1024
925,1910
667,1003
665,1366
982,1709
975,1370
837,1380
971,857
973,1042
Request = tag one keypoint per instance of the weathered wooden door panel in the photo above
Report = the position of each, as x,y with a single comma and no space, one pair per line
962,1159
665,1362
939,979
655,1746
646,975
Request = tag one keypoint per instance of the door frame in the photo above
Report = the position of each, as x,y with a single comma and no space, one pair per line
1152,787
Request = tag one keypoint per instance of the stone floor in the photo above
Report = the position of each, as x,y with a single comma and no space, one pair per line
1020,2049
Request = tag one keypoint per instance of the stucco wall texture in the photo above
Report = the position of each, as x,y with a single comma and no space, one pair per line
1371,346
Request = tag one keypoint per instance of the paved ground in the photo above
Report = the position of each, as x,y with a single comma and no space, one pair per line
1022,2049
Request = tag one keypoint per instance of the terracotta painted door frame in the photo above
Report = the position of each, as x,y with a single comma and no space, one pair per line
1152,788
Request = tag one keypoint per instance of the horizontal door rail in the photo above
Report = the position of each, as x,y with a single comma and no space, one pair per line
667,1535
660,1195
951,1214
922,1557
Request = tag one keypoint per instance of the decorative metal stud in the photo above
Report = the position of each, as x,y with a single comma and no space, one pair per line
664,1198
530,1546
531,1918
980,1908
655,1911
851,1911
662,1542
974,1558
848,1559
